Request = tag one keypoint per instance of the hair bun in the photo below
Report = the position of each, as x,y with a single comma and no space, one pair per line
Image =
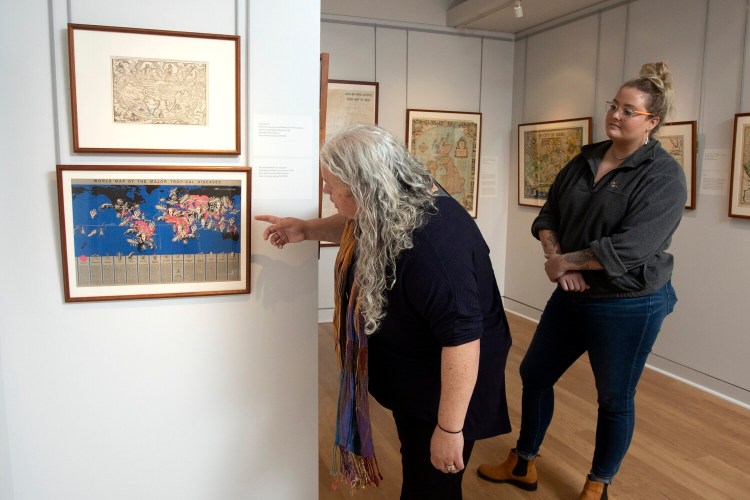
658,73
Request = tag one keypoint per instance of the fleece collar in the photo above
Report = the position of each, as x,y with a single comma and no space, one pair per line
647,152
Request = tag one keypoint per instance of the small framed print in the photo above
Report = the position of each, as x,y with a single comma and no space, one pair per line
739,191
348,103
134,232
448,144
153,91
679,139
544,148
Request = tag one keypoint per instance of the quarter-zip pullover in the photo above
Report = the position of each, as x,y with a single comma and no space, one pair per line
627,218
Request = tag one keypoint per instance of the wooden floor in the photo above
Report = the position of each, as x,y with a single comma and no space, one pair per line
688,444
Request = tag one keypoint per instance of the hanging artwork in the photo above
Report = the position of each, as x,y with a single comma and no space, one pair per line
132,232
348,103
325,61
544,148
678,138
447,143
153,91
739,192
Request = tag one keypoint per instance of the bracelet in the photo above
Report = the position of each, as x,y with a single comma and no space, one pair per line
446,430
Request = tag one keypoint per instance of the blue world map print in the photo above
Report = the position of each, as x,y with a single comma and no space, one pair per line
155,219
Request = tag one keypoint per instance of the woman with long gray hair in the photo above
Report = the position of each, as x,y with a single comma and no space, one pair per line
418,317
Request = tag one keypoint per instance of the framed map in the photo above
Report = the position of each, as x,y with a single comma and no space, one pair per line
678,138
132,232
544,148
739,191
348,103
447,143
153,91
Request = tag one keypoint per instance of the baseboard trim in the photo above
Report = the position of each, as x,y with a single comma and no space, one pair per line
325,315
525,311
694,378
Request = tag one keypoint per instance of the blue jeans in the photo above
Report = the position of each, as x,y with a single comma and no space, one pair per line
618,335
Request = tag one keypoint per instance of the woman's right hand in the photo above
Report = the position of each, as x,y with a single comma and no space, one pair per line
282,230
572,281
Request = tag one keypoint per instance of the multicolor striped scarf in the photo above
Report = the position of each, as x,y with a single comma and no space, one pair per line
353,453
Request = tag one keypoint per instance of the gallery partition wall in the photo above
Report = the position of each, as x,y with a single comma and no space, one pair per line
191,397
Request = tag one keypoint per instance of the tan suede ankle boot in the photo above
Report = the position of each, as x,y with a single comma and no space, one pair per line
515,470
594,490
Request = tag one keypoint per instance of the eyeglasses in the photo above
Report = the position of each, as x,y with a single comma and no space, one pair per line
612,107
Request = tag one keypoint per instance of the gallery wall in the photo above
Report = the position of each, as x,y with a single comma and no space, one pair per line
421,67
569,71
194,398
6,478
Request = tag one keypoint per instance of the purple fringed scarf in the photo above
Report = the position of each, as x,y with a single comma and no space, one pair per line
353,452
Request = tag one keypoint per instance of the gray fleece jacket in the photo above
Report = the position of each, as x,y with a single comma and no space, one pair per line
627,219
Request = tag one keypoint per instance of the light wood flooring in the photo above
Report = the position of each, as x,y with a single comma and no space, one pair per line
688,444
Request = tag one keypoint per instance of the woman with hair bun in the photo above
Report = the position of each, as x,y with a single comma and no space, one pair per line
606,225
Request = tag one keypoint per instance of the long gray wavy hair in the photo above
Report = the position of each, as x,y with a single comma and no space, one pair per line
393,191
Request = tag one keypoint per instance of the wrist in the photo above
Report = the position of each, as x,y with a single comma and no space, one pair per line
449,431
564,264
305,229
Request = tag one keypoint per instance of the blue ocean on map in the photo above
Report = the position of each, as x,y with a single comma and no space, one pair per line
164,219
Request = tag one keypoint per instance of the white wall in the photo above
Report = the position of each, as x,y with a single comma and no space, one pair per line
6,476
193,398
569,71
419,68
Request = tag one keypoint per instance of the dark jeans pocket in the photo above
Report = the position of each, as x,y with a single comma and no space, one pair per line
671,297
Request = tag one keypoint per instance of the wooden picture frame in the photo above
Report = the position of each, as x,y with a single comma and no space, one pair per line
325,61
348,103
679,140
739,182
544,148
154,91
448,144
134,232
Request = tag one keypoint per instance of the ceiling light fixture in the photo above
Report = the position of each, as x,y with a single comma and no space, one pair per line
518,9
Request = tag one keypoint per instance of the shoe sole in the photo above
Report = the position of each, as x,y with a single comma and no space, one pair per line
514,482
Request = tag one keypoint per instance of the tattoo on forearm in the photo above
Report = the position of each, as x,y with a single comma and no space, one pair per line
550,243
583,259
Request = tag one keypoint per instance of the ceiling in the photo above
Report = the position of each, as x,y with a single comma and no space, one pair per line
498,15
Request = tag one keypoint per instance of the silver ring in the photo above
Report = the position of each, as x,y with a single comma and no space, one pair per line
450,468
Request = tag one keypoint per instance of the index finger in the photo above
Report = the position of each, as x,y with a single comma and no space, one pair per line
267,218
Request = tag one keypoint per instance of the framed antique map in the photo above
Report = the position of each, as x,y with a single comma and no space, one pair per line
678,138
448,144
153,91
739,191
544,148
348,103
131,232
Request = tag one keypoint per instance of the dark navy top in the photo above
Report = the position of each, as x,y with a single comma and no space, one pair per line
445,295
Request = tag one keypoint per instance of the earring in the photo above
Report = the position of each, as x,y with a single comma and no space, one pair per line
646,139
